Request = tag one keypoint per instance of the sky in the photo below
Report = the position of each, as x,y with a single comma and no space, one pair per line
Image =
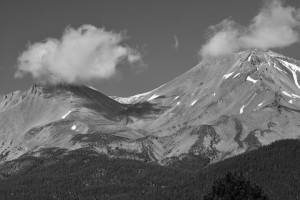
128,47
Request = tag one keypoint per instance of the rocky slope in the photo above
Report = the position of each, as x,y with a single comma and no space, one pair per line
61,116
225,106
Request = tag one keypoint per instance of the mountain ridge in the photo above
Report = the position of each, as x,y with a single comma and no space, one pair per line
220,108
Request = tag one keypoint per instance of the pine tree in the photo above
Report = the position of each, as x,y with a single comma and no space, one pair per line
234,187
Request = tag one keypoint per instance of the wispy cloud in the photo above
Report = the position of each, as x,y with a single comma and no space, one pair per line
275,26
82,54
176,42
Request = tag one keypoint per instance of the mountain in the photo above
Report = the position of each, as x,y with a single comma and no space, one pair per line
220,108
224,106
62,116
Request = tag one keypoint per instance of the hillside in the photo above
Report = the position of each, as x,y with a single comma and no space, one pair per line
85,174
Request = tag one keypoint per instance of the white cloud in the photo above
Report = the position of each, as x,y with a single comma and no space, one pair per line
82,54
275,26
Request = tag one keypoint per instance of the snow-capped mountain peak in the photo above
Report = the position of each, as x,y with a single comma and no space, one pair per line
220,108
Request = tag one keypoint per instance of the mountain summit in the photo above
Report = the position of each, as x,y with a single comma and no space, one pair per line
220,108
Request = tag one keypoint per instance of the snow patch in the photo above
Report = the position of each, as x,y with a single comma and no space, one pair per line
278,68
236,75
132,99
290,101
295,96
249,58
176,97
293,68
261,104
214,94
290,95
73,127
287,94
227,75
64,116
242,109
251,80
153,97
93,88
135,98
194,102
178,103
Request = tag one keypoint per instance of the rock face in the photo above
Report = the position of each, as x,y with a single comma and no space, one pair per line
220,108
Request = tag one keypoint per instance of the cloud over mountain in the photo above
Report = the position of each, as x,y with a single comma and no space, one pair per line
275,26
83,54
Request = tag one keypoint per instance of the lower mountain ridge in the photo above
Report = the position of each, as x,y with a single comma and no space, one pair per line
86,174
220,108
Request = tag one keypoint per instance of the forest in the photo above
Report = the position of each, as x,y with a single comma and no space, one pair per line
273,171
